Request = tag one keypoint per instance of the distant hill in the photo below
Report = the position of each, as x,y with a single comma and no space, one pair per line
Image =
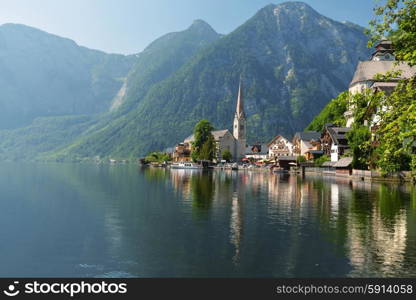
45,75
52,127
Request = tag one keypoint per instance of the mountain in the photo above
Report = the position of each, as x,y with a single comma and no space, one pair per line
45,75
158,61
163,57
291,59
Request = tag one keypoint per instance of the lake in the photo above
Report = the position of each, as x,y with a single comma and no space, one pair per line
85,220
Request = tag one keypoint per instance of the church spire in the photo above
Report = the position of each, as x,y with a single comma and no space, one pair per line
239,131
240,104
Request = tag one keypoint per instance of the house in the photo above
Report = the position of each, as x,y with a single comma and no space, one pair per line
343,166
225,140
334,141
306,141
382,61
279,146
257,152
182,152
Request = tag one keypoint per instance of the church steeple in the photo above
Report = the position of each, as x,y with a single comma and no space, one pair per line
239,129
240,104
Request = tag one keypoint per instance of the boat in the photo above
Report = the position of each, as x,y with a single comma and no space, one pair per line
185,165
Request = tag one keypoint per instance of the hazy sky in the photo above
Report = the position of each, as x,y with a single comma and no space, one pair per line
127,26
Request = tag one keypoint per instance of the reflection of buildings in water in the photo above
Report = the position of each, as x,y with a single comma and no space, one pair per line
181,182
390,242
334,200
236,224
362,185
377,244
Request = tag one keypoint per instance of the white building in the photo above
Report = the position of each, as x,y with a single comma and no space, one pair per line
280,146
381,62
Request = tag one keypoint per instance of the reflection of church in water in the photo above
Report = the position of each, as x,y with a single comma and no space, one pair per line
202,191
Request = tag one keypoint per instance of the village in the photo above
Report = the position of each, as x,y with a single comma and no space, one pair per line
326,152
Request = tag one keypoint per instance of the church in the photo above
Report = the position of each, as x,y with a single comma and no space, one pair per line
234,142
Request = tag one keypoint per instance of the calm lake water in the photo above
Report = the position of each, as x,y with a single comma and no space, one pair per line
120,221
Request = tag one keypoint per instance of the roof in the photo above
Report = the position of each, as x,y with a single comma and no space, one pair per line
216,133
308,135
385,86
264,149
277,137
329,164
338,135
366,70
315,151
240,104
343,162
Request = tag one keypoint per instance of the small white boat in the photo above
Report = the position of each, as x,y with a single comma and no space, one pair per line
186,165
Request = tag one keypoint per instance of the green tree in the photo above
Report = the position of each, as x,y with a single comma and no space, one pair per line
300,159
359,140
158,157
204,143
397,130
397,20
208,149
320,161
332,113
226,155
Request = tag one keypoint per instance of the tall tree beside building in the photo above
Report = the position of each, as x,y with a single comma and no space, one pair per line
204,143
226,155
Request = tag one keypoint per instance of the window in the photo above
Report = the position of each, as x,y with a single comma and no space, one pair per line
241,127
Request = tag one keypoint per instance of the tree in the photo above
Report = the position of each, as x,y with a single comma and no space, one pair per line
300,159
204,144
396,19
397,130
208,149
333,113
320,161
159,157
359,140
226,155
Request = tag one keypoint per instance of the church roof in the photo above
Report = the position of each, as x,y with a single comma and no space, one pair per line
366,70
216,133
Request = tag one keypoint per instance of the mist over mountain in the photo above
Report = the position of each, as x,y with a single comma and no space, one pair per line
51,131
291,60
45,75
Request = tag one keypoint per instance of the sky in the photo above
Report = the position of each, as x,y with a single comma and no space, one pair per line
128,26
